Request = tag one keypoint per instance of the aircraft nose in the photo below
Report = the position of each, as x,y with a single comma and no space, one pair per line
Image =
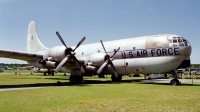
188,50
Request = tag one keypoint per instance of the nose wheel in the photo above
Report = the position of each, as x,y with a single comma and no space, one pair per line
175,82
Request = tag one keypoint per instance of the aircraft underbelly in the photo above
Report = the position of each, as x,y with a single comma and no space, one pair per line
148,65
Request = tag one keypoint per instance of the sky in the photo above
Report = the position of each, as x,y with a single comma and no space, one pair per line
97,20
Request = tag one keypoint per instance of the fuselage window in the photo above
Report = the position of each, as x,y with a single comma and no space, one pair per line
98,51
82,53
133,48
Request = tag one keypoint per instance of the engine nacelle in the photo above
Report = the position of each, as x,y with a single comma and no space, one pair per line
47,64
57,53
90,68
42,70
50,65
97,59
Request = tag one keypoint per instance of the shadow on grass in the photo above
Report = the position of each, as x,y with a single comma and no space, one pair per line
90,82
138,81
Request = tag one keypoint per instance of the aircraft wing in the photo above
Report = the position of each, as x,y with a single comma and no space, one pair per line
19,55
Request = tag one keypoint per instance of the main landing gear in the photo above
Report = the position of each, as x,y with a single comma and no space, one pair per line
175,81
116,79
76,76
49,73
76,79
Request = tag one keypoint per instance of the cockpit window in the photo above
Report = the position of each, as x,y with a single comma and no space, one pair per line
174,40
179,41
185,42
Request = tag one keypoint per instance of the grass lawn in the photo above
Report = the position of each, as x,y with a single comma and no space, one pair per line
94,96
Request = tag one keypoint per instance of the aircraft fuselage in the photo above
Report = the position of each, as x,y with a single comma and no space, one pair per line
145,55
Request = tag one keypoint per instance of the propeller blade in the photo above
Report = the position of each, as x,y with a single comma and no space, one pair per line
115,52
102,67
108,61
79,65
113,69
70,56
62,64
103,46
79,43
61,39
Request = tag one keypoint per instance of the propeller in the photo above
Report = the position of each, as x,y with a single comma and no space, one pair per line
70,55
108,61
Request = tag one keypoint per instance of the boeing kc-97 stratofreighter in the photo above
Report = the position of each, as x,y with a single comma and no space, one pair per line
162,53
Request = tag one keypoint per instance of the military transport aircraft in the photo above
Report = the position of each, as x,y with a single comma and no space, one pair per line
161,53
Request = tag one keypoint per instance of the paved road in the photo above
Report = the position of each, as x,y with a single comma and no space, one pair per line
168,81
7,89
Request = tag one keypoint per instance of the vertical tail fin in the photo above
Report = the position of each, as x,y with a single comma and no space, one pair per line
33,42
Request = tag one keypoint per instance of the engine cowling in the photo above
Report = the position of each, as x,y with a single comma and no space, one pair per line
51,57
90,68
42,70
46,64
57,53
97,59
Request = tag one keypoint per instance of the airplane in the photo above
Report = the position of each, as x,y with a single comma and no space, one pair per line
153,54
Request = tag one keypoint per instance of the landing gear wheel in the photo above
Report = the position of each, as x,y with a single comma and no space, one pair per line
101,76
118,79
52,73
72,79
80,79
175,82
75,79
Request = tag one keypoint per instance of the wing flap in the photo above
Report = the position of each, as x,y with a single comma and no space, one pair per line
19,55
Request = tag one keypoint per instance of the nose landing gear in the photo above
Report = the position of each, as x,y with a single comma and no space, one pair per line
175,81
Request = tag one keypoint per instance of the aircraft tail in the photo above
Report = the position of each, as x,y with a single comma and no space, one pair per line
33,42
